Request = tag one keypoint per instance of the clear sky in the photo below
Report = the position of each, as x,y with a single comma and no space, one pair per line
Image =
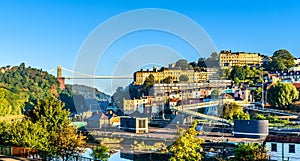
47,33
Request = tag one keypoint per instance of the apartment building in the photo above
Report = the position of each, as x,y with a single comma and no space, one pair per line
283,147
229,59
174,74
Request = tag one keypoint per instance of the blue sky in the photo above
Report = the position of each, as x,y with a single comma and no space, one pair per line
47,33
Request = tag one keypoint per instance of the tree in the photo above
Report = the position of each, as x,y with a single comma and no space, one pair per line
148,83
183,78
280,95
62,138
234,111
167,80
101,152
187,146
238,73
183,64
282,60
257,94
215,93
250,152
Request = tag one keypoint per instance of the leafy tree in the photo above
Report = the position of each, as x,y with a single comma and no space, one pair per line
250,152
282,59
183,78
62,138
224,74
213,60
11,103
257,94
215,93
183,64
238,73
201,63
167,80
187,147
148,83
101,152
234,111
280,95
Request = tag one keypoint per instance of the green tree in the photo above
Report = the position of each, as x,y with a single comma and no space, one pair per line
183,64
167,80
280,95
215,93
250,152
234,111
183,78
257,94
282,59
101,152
238,73
62,138
187,146
148,83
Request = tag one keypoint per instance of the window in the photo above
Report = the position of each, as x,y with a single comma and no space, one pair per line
291,148
274,147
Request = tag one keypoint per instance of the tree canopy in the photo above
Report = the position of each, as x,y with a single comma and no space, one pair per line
46,128
187,147
234,111
250,152
183,64
183,78
281,60
280,95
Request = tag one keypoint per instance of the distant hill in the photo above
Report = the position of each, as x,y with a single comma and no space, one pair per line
21,87
89,92
81,98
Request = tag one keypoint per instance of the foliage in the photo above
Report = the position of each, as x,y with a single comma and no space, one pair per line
250,152
187,146
282,60
167,80
46,128
148,84
101,152
247,74
11,104
280,95
28,83
234,111
257,94
272,119
182,64
183,78
215,93
224,74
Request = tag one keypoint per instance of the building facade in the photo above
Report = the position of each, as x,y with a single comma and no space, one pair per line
283,147
228,59
174,74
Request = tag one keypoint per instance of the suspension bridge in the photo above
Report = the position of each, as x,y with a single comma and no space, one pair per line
79,75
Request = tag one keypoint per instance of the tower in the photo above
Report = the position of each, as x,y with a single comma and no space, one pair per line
60,78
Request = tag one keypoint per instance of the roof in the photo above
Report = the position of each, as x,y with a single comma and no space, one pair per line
98,116
283,139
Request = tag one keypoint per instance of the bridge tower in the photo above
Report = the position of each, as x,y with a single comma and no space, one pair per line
60,78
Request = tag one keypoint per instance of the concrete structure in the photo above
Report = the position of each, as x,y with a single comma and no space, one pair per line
229,59
133,124
283,147
251,128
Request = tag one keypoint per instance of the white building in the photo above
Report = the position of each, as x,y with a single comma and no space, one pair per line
283,147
